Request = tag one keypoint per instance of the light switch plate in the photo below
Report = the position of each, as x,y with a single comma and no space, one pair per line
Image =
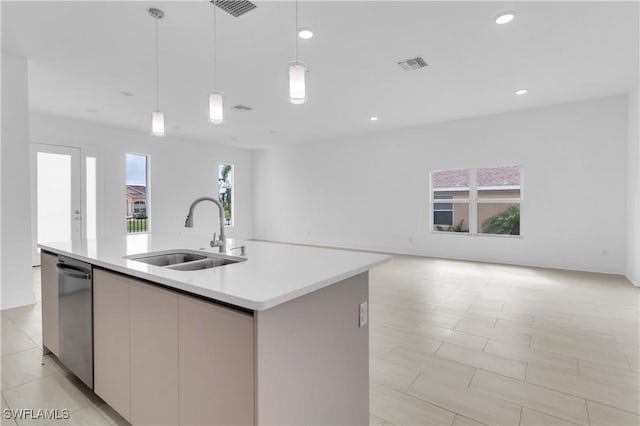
364,315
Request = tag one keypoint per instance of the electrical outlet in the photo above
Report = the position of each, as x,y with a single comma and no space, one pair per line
364,315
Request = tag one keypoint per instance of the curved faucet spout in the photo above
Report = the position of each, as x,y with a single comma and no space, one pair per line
188,223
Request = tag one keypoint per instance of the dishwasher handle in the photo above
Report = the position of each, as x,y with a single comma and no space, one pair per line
73,271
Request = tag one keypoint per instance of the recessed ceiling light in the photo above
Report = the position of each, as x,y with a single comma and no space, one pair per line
176,127
234,139
125,93
305,33
92,111
521,92
273,132
373,118
505,18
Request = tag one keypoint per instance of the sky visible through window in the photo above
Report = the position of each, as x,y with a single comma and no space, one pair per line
136,170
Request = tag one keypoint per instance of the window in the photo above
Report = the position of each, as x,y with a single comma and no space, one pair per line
139,207
442,212
225,191
452,185
481,201
137,193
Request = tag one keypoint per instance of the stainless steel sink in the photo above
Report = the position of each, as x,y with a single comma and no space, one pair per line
203,264
185,260
168,259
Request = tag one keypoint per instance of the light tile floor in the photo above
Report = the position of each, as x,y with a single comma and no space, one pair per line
452,343
467,343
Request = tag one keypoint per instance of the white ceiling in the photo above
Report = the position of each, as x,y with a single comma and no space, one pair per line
83,54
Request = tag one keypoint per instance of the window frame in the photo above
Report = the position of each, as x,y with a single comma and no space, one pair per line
473,201
148,191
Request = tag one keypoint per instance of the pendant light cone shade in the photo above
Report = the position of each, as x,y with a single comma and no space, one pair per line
297,83
157,123
216,111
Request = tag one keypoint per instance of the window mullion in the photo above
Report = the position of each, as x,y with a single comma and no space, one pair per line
473,204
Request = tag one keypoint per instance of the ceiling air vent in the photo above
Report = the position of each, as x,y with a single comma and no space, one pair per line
234,7
413,64
242,108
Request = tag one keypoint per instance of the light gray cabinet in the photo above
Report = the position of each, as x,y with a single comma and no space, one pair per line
216,364
154,355
111,340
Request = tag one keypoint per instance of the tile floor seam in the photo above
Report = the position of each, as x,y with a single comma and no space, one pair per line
521,410
442,408
412,382
471,379
29,381
586,406
431,403
485,345
602,363
537,410
581,397
436,352
528,406
612,407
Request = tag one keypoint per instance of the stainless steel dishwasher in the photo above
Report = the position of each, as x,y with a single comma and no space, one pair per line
75,300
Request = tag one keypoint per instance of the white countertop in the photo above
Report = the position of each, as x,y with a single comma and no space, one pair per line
274,273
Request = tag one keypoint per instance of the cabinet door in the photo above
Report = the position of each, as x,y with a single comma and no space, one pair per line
111,324
49,283
154,355
216,364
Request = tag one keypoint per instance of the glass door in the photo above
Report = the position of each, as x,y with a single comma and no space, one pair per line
56,195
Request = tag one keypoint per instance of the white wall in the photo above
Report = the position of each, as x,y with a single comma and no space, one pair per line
180,171
15,278
633,190
371,192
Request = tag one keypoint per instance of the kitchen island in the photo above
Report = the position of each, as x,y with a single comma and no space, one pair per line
280,337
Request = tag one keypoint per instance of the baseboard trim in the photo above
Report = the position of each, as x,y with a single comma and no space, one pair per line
635,282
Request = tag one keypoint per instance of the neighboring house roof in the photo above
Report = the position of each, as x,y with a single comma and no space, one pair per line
499,176
137,191
496,176
451,178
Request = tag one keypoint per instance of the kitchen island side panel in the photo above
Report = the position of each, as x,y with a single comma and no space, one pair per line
50,313
313,358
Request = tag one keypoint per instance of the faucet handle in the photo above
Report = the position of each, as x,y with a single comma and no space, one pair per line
214,242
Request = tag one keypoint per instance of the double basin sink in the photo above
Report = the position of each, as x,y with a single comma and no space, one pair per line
185,260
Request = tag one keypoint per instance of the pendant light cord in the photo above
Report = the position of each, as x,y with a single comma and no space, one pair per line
157,72
296,31
215,49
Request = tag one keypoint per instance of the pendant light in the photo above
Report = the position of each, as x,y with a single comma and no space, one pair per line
157,117
216,111
297,75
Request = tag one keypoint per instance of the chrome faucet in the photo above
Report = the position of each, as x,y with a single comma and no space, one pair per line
188,223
